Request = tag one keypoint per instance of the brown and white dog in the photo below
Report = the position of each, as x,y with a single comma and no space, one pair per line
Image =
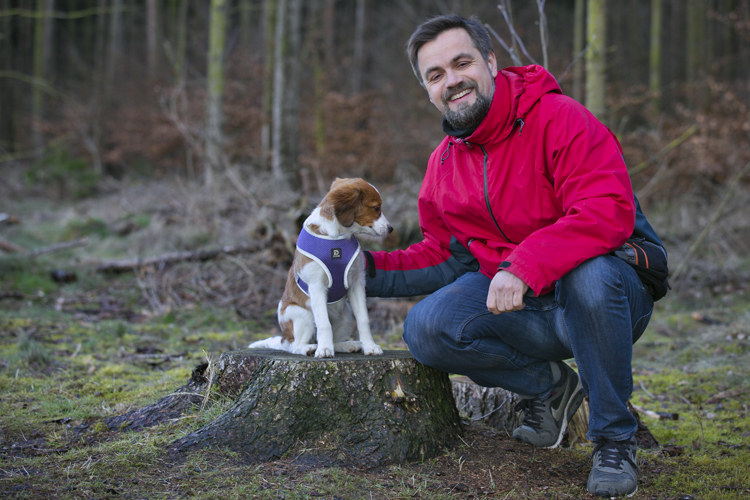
328,272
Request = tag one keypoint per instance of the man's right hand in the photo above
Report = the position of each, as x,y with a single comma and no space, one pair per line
506,293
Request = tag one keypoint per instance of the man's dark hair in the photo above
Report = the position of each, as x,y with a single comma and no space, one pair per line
430,29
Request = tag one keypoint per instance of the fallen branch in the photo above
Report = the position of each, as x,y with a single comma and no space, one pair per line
9,247
120,266
666,149
57,247
659,415
713,220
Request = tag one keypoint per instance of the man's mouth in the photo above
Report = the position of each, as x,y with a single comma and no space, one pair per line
459,95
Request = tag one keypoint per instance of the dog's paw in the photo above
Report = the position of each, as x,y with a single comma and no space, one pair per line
372,349
324,352
305,350
348,346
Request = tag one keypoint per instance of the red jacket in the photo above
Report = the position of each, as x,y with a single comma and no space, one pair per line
538,188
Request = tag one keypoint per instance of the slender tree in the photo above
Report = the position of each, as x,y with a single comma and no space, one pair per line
696,40
152,23
359,36
246,19
42,48
579,38
596,31
277,161
269,26
654,80
286,100
215,84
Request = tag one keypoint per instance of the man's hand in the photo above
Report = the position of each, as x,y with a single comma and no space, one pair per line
506,293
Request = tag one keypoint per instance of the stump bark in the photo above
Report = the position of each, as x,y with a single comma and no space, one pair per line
348,410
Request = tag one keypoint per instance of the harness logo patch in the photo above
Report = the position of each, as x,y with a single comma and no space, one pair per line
335,253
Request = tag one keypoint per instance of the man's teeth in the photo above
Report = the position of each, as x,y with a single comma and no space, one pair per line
460,94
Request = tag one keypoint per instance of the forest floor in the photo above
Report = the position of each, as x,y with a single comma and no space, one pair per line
75,353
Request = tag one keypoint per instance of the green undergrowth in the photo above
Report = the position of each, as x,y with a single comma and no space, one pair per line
64,371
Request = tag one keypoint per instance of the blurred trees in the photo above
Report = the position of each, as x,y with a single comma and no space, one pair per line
311,89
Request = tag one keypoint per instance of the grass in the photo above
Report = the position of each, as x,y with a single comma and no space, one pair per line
61,376
73,354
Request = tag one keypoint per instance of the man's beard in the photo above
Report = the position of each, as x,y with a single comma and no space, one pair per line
467,116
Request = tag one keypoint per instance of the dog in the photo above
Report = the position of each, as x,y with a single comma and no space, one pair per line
329,271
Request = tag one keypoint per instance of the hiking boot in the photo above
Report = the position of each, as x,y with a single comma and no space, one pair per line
614,472
544,422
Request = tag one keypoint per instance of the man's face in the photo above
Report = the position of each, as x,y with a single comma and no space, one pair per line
458,80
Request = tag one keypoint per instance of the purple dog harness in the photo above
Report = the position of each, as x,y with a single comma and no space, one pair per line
335,256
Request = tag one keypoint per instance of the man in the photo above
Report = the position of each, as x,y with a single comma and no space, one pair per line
520,207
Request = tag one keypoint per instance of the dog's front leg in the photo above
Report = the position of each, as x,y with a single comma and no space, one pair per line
358,303
319,306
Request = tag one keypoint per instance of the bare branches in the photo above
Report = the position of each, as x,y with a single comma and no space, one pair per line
513,56
714,218
505,10
666,149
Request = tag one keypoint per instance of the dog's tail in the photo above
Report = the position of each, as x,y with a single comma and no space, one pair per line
272,343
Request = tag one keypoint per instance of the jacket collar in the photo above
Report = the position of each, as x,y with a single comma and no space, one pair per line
517,89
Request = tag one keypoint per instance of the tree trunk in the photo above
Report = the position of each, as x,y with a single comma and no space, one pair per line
246,19
215,84
654,80
152,23
277,161
115,48
285,135
42,48
359,36
269,18
696,40
596,30
579,39
348,410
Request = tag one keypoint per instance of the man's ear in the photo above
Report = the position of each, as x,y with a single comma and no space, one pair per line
492,63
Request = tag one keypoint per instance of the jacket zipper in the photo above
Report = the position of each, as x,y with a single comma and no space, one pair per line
487,195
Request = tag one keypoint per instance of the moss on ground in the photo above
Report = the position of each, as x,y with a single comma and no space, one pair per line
66,366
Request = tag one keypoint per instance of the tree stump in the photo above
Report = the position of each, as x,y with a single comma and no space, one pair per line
348,410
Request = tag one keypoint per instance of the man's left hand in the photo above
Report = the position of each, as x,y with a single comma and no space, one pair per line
506,293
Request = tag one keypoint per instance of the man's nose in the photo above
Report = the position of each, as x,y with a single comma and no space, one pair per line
452,79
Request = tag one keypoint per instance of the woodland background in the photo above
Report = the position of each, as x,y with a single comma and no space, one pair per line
158,156
257,105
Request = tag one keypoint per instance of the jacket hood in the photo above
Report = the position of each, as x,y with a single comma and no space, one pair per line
517,90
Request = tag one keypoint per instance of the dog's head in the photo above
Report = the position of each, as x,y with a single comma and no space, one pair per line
356,205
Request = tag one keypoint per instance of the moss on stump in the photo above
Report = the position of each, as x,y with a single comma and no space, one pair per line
348,410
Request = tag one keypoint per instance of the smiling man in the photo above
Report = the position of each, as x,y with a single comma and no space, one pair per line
521,206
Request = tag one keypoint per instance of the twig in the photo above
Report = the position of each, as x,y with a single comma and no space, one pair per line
656,414
576,59
666,149
59,247
118,266
643,388
10,247
514,34
713,220
511,53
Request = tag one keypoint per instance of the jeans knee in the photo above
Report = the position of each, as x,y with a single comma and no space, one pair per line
593,284
425,340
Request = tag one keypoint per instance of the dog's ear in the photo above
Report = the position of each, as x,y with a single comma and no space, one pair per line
346,201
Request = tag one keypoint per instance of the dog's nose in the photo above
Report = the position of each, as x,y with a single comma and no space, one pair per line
390,229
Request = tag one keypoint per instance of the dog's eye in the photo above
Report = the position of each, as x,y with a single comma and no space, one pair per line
377,209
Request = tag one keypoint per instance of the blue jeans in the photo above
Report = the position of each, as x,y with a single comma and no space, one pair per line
595,314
